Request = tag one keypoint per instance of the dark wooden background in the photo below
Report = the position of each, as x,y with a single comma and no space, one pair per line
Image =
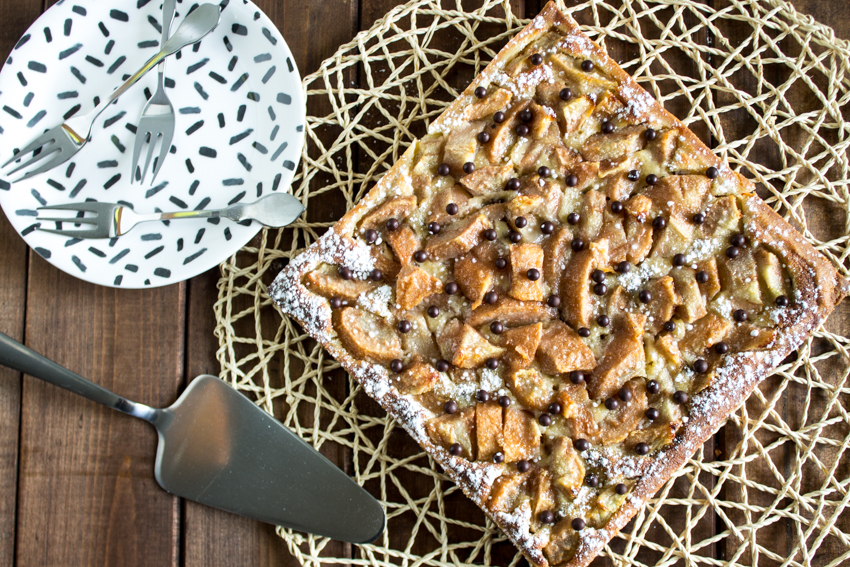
76,480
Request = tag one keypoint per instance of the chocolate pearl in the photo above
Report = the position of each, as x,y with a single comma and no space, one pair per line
600,289
443,365
623,267
480,92
344,272
553,301
396,365
376,275
739,240
645,296
699,218
669,326
520,222
514,237
700,366
652,387
721,348
450,407
499,458
577,244
450,288
679,260
536,59
545,419
621,489
434,227
607,127
565,94
444,169
491,297
733,252
616,207
546,517
336,302
587,65
452,209
523,465
491,234
712,173
651,179
625,394
555,408
547,228
592,480
456,450
513,184
577,377
702,276
499,117
371,235
577,523
581,444
483,396
420,256
612,404
483,137
739,315
468,167
492,363
497,327
598,276
782,301
652,414
543,171
504,401
433,311
404,326
583,332
392,225
633,175
533,274
680,397
642,449
526,115
650,134
500,263
571,180
659,222
603,321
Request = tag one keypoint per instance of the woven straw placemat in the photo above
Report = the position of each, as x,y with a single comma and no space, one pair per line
768,89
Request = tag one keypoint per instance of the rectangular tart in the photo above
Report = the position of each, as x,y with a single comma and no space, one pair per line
559,292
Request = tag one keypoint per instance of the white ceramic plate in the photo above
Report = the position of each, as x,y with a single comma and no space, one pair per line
239,134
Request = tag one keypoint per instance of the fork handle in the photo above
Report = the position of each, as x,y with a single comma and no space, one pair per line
167,17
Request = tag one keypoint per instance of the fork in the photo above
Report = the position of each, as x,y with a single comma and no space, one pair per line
111,219
157,118
60,143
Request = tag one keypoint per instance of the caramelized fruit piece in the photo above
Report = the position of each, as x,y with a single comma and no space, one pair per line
567,466
474,277
746,337
451,428
576,307
506,489
419,340
692,302
556,253
329,284
367,336
740,277
592,208
711,286
639,236
398,208
722,218
458,238
542,495
503,136
520,435
488,179
524,258
533,390
488,429
669,347
490,104
771,274
657,435
429,153
461,145
674,239
663,304
455,194
615,146
562,350
417,379
614,232
623,358
619,423
521,344
563,541
577,79
465,346
680,195
404,243
705,332
414,285
511,312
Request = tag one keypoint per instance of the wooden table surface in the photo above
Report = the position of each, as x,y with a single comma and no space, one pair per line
76,480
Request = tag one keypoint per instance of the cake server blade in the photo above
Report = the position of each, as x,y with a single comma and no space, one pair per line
218,448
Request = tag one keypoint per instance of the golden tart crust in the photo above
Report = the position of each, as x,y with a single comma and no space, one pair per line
572,292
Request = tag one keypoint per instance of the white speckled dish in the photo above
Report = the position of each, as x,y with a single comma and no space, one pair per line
239,135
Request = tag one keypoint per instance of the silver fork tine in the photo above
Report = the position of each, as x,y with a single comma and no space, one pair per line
72,233
87,206
163,152
55,159
151,146
35,159
69,220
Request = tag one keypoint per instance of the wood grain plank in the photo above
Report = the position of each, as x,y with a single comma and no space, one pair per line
313,31
87,492
16,16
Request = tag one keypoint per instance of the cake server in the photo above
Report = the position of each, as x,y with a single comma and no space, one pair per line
60,143
217,448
